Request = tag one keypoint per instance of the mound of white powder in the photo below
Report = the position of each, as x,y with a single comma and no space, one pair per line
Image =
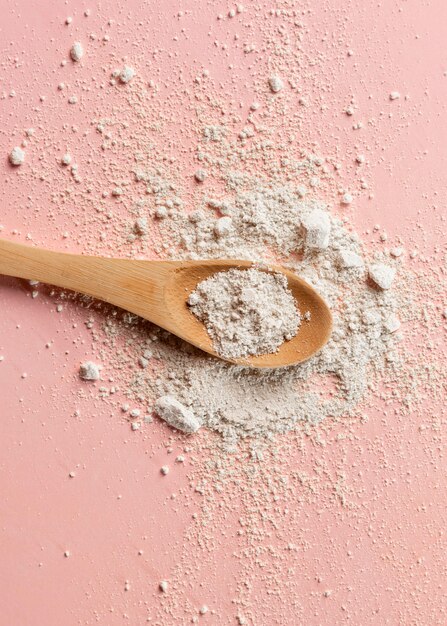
246,312
270,219
253,208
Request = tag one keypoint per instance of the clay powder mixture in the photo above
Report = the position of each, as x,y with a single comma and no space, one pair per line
246,312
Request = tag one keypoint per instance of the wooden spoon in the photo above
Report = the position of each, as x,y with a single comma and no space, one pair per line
158,290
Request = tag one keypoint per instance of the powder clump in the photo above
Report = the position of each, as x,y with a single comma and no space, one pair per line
76,51
16,156
275,84
317,225
349,259
246,312
176,414
382,275
126,74
89,371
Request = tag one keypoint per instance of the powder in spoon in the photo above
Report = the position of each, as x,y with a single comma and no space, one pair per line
246,312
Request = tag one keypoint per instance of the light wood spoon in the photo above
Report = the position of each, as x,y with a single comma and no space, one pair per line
158,290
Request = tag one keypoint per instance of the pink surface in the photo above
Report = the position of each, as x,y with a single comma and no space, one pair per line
365,516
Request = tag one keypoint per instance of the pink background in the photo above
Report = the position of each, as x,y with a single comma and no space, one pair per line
366,519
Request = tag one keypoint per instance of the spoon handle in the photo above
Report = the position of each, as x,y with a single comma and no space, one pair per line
134,285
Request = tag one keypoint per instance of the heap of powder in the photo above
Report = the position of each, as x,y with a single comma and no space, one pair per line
269,216
246,312
273,215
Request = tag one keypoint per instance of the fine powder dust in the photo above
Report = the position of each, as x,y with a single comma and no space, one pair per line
246,312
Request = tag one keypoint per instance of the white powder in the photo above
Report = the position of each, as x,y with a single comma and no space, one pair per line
246,312
200,175
126,74
275,84
164,585
223,226
76,51
140,226
349,259
176,414
392,323
267,218
268,204
89,371
382,275
318,227
16,156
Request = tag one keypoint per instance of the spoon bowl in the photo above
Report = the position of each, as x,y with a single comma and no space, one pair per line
158,291
311,335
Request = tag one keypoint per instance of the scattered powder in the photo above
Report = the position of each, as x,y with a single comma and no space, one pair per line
263,203
267,212
16,156
76,51
270,219
89,371
396,252
246,312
